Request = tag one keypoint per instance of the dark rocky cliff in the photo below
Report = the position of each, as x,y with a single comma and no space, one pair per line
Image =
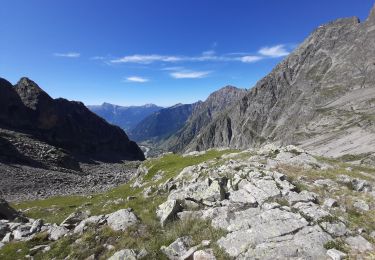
65,125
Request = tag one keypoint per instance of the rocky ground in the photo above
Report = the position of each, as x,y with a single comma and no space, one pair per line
33,169
20,182
271,203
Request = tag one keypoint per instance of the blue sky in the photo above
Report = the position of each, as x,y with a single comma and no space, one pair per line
132,52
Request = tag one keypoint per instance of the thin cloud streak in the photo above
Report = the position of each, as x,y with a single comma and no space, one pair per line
251,59
189,74
136,79
68,55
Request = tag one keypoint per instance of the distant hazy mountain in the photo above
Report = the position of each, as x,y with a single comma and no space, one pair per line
163,123
126,117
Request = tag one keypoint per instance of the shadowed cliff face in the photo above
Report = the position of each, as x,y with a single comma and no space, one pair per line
322,96
202,115
62,123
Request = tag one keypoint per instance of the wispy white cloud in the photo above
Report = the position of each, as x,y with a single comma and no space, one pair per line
145,59
250,59
189,74
173,68
68,55
274,51
210,55
136,79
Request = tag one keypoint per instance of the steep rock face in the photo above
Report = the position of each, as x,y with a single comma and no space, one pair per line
125,117
12,110
163,123
62,123
203,115
322,96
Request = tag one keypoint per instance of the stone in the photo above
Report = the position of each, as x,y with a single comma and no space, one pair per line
311,210
330,203
1,245
57,232
125,254
361,185
168,211
359,243
205,191
307,243
96,220
251,228
177,249
236,242
334,229
22,232
122,219
7,238
74,219
361,205
303,196
335,254
243,198
36,226
206,254
260,193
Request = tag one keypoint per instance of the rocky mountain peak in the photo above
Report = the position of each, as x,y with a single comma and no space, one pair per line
371,17
31,94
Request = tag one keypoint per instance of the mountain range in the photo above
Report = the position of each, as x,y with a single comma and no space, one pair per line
126,117
320,97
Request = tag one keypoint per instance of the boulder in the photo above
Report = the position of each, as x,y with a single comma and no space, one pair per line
57,232
207,254
168,211
178,248
361,205
334,229
330,203
303,196
125,254
307,243
122,219
36,226
7,238
359,243
73,219
96,220
335,254
311,210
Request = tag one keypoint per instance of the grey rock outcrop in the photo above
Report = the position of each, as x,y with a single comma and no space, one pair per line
320,97
122,219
